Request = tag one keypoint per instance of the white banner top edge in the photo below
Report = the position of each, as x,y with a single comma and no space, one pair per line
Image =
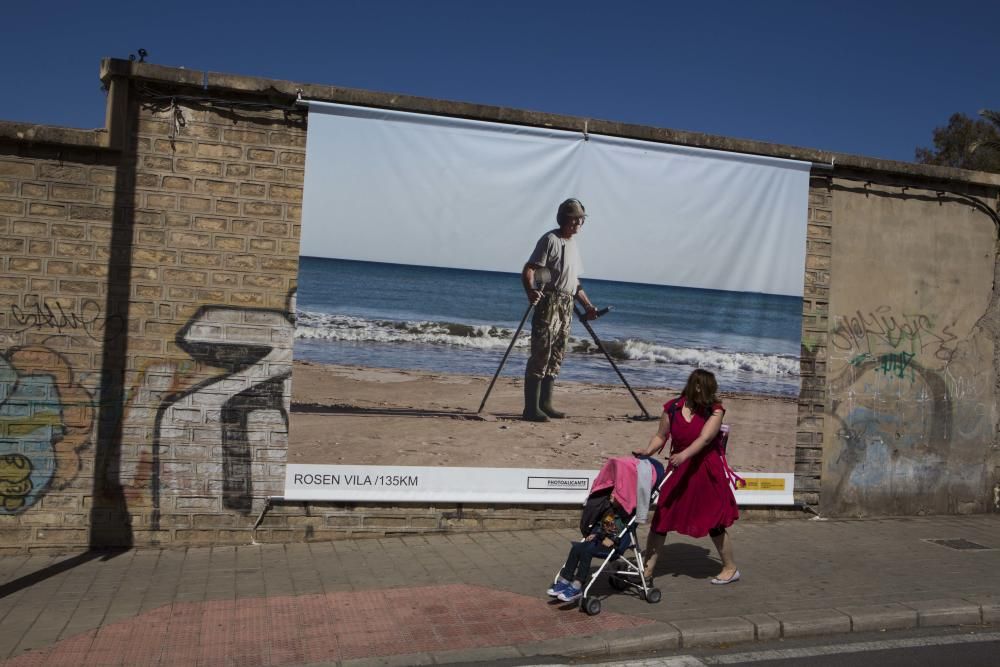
763,160
378,113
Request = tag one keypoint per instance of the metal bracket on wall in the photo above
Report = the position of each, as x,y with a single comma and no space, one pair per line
823,166
268,504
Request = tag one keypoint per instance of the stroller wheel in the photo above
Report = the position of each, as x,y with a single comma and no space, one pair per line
592,606
653,595
617,582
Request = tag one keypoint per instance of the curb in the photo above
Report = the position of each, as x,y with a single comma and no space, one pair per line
946,612
714,631
813,622
872,618
691,633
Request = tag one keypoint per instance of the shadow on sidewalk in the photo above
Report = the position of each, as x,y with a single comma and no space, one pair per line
29,580
686,560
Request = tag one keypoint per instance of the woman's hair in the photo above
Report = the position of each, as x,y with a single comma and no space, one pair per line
699,392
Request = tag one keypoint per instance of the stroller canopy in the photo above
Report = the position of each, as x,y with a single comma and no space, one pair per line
632,478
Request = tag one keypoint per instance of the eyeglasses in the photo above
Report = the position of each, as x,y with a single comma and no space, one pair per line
577,220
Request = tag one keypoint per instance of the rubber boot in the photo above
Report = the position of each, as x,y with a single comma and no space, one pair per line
545,398
531,411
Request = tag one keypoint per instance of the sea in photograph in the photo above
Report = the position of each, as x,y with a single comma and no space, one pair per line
461,321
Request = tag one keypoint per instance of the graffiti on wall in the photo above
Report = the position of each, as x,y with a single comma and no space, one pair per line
47,417
46,420
50,314
883,330
254,384
911,404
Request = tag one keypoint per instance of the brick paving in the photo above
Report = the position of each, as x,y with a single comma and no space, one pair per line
437,597
316,628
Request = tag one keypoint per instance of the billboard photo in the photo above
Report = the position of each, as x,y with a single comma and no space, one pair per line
415,230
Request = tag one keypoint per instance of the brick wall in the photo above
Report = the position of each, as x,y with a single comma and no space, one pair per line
147,340
815,324
55,232
146,278
215,258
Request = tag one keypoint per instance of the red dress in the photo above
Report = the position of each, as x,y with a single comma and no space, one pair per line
698,496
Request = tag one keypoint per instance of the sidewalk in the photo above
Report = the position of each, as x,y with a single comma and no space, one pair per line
463,598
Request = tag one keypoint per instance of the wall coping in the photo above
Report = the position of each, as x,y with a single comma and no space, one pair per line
221,83
52,134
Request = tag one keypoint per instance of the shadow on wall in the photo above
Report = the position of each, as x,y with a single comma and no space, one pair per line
110,521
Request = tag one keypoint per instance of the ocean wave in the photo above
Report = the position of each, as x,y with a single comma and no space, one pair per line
347,328
763,364
322,326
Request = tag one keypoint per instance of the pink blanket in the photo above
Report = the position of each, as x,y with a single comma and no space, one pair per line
621,472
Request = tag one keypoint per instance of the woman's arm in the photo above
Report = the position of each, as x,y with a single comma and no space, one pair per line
659,439
708,432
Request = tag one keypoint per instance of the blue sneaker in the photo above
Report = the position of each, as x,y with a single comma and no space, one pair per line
557,588
571,594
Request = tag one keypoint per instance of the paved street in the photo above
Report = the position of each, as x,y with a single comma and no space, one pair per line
480,597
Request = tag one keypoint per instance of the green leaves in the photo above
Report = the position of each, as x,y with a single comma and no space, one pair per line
966,143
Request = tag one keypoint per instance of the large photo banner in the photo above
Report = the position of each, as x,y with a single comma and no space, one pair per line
415,230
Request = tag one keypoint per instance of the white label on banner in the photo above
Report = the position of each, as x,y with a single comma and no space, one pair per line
766,488
436,484
358,483
570,483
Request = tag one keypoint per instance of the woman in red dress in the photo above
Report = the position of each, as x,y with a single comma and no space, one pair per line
698,498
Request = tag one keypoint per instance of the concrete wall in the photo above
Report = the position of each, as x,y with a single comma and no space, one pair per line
912,370
146,279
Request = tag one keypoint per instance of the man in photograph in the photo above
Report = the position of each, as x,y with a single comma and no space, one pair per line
553,297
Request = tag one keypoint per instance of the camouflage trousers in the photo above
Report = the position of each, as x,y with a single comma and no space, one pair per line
549,333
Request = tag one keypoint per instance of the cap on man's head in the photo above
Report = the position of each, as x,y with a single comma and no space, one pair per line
571,208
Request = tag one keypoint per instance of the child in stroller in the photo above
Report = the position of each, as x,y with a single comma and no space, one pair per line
620,497
606,534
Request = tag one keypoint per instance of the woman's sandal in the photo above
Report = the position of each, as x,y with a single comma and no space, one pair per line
731,580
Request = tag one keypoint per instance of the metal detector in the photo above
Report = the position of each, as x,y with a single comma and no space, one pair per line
582,316
504,360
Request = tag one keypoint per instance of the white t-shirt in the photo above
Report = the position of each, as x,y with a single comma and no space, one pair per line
561,257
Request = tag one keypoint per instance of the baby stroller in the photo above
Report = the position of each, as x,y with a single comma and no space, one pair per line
622,479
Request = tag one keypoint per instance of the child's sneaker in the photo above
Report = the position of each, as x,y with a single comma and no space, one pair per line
558,587
571,593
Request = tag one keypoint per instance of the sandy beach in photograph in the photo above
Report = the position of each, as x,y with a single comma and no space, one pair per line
344,415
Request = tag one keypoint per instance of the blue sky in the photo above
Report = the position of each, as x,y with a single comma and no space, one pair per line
870,78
